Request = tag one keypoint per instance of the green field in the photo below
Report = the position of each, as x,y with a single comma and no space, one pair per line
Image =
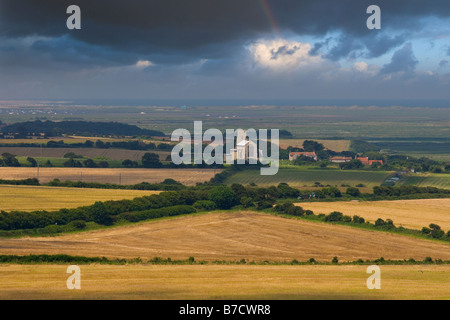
427,180
301,177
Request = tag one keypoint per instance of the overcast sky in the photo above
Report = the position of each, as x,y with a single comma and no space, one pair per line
193,49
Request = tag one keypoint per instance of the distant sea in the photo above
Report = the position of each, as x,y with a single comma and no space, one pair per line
409,103
412,103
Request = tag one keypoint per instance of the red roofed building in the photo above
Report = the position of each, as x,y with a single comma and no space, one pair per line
365,161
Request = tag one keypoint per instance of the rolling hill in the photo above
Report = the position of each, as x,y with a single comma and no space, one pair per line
233,236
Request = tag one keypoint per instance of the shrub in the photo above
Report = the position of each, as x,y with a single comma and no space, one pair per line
354,192
347,219
206,205
264,204
358,219
335,260
426,230
246,202
334,216
78,224
380,223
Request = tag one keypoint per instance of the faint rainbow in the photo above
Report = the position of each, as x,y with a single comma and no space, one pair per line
270,16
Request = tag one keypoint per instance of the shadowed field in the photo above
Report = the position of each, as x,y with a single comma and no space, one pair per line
223,282
233,236
113,154
413,214
117,176
300,177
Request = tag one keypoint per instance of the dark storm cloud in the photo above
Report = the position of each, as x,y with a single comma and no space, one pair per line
179,30
403,60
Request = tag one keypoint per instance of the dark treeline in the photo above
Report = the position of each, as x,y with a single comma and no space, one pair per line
67,259
82,128
166,185
24,182
128,145
104,213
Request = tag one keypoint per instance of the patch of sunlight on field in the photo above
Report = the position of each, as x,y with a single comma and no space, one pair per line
412,214
30,198
224,282
441,180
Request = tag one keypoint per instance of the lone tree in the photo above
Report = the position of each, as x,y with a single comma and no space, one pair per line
32,161
310,146
151,160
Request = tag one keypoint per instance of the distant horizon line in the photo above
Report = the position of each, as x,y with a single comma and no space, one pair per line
220,102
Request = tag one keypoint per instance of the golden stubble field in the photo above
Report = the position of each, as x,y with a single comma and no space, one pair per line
232,236
32,198
413,214
109,175
335,145
197,282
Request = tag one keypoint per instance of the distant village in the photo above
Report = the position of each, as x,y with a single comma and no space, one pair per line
364,160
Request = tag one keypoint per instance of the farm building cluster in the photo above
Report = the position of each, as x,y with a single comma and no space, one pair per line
337,159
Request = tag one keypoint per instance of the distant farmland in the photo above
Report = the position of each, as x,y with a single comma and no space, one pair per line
299,177
116,176
113,154
31,198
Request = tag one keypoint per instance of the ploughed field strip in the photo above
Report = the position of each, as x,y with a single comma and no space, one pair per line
116,176
233,236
